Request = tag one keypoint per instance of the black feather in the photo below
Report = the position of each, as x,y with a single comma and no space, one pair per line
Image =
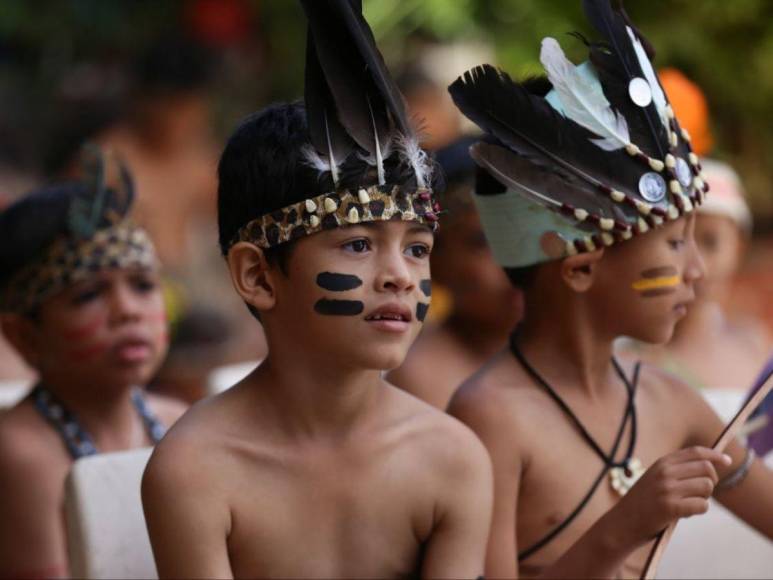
530,127
325,130
541,184
368,104
617,64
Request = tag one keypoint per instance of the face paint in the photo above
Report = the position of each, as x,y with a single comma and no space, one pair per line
85,331
426,287
339,307
87,353
657,281
421,311
338,282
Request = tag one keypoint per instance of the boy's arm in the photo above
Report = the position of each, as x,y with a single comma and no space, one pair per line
457,544
752,498
32,541
187,523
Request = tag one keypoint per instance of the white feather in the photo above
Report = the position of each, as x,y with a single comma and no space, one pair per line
409,148
331,156
314,159
583,99
658,96
379,156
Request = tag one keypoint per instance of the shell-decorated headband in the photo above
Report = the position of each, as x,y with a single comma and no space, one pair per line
588,157
332,210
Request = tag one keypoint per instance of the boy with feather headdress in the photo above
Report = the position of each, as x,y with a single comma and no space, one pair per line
586,190
314,466
80,300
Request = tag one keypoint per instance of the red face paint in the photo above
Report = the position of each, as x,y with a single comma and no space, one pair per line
88,352
84,332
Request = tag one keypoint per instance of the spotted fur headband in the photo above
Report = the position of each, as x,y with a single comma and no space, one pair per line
70,260
344,208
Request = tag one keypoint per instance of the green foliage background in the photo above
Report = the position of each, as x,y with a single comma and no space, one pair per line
726,46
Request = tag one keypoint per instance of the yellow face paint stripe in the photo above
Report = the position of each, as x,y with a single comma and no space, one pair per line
654,283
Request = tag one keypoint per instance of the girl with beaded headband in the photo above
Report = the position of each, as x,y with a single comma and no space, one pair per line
326,222
81,302
586,189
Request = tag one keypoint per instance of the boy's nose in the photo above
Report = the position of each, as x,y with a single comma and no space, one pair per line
124,303
394,275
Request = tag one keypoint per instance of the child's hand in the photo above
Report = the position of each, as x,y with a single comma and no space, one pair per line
676,486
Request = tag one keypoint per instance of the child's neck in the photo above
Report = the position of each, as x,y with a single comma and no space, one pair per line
107,415
311,398
565,340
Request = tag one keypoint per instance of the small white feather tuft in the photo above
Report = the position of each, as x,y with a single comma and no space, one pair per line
583,99
312,158
408,147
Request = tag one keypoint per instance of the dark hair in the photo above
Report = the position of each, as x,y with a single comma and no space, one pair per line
523,277
262,169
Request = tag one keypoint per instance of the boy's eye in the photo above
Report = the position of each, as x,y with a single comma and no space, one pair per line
357,246
418,250
144,284
676,244
84,296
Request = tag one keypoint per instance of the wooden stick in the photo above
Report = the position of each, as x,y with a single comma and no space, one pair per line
728,434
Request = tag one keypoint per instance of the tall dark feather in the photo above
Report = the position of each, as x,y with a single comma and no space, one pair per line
360,106
617,65
530,127
325,130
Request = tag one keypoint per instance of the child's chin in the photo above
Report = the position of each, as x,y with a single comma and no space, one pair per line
655,335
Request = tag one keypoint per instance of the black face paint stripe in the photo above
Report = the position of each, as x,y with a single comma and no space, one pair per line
421,311
339,307
338,282
426,287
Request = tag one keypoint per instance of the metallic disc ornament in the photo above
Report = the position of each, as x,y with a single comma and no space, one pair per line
652,187
683,172
640,92
623,478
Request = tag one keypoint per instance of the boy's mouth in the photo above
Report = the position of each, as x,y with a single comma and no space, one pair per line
391,317
391,312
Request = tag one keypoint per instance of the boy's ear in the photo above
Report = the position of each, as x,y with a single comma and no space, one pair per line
251,275
22,334
578,272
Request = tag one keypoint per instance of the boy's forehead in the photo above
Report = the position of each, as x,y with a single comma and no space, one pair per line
391,228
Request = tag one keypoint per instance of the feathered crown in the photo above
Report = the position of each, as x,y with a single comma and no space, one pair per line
360,135
588,159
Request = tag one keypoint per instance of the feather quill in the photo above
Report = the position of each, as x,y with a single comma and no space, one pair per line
583,99
658,96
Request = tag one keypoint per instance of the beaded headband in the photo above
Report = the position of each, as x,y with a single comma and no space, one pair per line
70,260
344,208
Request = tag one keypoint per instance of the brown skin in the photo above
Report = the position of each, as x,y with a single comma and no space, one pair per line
542,466
485,309
313,466
84,342
710,349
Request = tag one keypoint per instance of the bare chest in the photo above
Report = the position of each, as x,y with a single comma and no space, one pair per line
330,518
567,486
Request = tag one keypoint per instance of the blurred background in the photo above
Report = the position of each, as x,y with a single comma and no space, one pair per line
164,83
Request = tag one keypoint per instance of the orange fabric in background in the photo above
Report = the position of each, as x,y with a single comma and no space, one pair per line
690,106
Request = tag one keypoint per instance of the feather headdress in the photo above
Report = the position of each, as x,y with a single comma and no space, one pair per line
355,111
589,158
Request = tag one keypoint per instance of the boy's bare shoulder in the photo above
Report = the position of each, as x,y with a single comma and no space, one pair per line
32,460
499,397
438,439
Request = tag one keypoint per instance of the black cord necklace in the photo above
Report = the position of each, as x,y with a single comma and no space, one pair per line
623,474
